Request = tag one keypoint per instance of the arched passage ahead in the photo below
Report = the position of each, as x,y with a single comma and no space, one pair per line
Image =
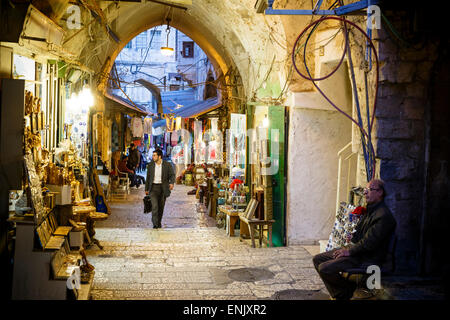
231,33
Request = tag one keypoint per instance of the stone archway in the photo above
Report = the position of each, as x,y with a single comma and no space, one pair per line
231,33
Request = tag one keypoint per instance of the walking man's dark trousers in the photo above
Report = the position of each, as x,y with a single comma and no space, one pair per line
159,192
158,202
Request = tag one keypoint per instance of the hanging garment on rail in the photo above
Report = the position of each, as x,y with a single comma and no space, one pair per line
148,126
136,127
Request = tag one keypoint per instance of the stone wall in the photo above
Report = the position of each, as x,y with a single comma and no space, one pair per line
437,205
400,134
407,124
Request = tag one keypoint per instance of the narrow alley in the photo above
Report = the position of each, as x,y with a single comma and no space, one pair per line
318,129
188,259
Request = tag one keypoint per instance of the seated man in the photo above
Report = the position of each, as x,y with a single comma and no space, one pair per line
369,244
123,168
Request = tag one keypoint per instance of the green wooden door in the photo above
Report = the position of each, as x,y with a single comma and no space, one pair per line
250,111
277,148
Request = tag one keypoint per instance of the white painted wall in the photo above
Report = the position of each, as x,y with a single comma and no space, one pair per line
315,138
316,134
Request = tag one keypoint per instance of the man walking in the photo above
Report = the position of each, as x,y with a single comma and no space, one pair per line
159,183
134,157
369,244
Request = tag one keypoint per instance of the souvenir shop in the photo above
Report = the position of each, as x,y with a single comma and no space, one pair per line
55,197
240,181
123,124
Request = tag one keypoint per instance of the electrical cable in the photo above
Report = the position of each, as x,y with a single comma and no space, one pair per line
313,80
146,52
192,65
394,31
291,69
358,109
347,50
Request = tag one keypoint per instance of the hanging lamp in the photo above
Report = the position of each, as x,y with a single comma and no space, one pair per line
167,51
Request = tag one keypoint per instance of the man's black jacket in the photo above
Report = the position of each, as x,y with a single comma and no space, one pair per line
133,158
373,233
167,177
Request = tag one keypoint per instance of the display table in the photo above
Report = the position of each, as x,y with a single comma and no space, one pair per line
255,224
212,204
232,217
42,274
83,210
98,216
89,215
202,192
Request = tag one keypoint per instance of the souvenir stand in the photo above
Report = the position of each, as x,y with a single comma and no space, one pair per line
347,218
259,219
49,260
208,163
213,139
233,195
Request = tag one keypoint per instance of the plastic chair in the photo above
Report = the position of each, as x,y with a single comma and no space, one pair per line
124,181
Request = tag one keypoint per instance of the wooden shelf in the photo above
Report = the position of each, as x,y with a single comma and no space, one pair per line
62,231
55,243
62,272
85,288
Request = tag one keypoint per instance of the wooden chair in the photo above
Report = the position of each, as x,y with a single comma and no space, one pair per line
118,184
256,224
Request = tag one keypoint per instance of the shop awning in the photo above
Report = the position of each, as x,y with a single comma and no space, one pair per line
124,105
159,123
198,108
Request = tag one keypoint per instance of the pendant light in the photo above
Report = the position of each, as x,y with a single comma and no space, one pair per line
167,51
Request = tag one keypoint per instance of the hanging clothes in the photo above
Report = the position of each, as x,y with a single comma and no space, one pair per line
148,122
137,128
127,136
174,138
178,123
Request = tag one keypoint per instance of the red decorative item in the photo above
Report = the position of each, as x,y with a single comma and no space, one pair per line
359,210
235,182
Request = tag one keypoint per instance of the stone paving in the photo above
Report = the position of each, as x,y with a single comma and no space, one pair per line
188,259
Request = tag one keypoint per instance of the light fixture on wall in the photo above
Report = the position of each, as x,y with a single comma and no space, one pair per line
81,101
265,122
86,97
167,51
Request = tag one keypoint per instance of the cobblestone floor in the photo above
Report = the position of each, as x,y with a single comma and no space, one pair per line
188,259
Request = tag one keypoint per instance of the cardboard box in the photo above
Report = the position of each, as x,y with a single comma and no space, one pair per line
323,245
64,193
76,238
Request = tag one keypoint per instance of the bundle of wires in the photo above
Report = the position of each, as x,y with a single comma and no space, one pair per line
368,150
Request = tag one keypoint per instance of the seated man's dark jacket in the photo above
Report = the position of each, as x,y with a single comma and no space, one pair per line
373,233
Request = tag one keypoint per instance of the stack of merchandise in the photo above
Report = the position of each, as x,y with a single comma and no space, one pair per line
344,226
